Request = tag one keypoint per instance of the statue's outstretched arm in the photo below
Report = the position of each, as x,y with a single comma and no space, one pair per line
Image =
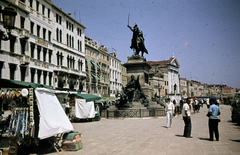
130,27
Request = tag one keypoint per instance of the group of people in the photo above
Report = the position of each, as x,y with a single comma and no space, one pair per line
213,114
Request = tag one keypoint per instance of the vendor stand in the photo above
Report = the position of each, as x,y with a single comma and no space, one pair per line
83,106
27,117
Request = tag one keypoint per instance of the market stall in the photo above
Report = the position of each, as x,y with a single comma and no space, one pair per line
26,114
83,106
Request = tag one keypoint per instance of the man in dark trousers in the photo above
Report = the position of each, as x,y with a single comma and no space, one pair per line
186,112
213,113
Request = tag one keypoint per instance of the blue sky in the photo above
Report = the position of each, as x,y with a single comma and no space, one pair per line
204,35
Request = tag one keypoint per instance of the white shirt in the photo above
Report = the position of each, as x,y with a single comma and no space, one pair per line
169,106
186,107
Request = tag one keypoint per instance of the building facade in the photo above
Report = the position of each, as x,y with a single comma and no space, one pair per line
169,68
123,76
97,68
115,74
46,46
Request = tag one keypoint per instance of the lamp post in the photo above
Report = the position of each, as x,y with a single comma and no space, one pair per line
8,15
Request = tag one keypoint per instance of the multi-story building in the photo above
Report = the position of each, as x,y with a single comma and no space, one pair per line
92,67
104,76
46,46
115,74
183,87
124,76
156,82
169,68
97,68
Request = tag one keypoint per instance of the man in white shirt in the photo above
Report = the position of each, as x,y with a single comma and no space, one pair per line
169,111
186,111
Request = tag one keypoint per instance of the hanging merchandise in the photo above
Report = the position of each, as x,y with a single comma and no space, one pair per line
18,125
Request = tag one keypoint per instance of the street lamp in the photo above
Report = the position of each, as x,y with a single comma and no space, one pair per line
8,15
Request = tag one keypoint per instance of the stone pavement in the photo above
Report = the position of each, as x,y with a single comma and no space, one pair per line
149,136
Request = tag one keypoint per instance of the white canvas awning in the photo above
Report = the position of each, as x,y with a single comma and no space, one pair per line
84,109
53,119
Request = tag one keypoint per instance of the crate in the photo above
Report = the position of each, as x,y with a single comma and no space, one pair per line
72,146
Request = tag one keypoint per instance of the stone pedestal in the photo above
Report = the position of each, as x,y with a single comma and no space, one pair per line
154,105
138,66
135,105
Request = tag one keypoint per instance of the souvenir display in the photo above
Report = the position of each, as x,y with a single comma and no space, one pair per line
21,126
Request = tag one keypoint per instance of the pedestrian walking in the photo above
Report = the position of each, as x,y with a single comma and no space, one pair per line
197,106
169,111
213,113
186,112
193,105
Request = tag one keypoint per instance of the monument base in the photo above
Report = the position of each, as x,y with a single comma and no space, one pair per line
135,105
154,105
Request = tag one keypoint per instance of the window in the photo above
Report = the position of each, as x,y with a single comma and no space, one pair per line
57,58
43,9
61,58
67,40
32,75
60,35
22,20
32,50
39,52
73,63
79,31
44,33
22,43
68,61
72,42
49,36
32,27
57,33
58,19
49,13
38,30
12,43
80,46
37,6
12,68
39,72
44,54
31,3
44,77
50,56
23,72
50,79
80,65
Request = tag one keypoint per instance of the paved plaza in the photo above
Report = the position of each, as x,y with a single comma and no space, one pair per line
149,136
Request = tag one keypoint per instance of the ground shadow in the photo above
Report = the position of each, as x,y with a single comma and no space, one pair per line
235,140
179,135
207,139
164,126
